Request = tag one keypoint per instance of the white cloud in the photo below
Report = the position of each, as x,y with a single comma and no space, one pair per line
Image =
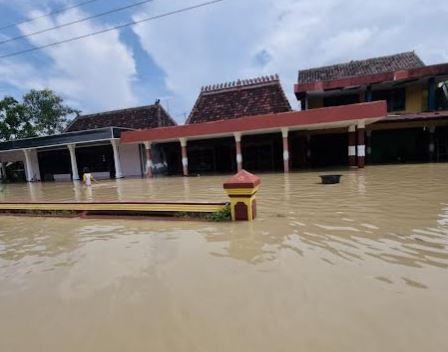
230,40
253,37
20,75
96,72
200,47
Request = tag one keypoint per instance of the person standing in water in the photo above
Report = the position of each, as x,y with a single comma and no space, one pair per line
87,177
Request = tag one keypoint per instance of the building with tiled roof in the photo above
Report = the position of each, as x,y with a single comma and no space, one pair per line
389,109
149,116
357,68
401,79
89,142
249,97
416,126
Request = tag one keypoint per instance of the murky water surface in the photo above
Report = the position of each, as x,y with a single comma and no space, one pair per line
359,266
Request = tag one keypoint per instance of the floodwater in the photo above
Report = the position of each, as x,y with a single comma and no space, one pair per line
359,266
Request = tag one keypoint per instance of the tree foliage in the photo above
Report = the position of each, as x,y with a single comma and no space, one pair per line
40,113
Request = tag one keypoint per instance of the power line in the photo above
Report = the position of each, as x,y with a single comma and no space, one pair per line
75,22
63,9
166,14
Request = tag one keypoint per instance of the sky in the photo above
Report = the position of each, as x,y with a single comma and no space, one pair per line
171,58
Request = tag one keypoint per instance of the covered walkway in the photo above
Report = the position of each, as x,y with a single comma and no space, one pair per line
259,142
63,156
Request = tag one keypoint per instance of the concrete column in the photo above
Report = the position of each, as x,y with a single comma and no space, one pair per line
28,166
148,153
239,155
361,147
75,173
285,132
352,146
183,146
431,145
115,143
431,94
308,150
368,145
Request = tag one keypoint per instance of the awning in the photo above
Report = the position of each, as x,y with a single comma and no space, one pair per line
323,118
77,137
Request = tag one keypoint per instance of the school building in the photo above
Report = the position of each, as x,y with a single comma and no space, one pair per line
391,109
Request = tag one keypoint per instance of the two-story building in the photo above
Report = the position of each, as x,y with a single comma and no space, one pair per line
390,109
415,129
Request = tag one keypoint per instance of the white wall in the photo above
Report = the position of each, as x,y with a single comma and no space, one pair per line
130,160
19,155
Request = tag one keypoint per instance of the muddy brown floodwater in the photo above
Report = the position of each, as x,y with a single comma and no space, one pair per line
359,266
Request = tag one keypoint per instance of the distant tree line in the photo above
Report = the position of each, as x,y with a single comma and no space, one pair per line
40,113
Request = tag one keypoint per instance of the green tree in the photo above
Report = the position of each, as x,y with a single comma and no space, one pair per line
47,111
13,120
41,113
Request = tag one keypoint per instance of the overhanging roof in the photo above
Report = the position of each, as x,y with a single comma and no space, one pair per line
402,75
330,117
64,138
435,115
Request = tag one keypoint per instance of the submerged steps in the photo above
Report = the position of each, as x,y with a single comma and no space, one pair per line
113,209
241,188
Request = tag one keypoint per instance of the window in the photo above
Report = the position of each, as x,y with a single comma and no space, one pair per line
395,98
442,96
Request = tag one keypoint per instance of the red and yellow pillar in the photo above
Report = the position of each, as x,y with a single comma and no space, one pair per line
241,188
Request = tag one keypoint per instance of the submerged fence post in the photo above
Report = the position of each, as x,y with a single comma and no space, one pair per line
241,188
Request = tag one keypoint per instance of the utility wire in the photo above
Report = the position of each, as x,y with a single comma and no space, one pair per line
166,14
63,9
118,9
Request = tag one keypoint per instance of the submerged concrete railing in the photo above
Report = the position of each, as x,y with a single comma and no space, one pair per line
241,189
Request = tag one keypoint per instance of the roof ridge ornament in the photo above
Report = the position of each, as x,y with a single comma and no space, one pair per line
240,83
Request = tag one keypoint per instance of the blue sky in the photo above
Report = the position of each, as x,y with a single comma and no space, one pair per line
171,58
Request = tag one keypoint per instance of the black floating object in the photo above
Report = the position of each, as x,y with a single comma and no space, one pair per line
330,179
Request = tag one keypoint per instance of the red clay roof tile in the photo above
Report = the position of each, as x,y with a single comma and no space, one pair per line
391,63
149,116
241,98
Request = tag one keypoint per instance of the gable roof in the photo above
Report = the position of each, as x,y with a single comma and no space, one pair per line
149,116
391,63
263,95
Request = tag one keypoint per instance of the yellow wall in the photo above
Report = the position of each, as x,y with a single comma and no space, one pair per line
315,102
414,98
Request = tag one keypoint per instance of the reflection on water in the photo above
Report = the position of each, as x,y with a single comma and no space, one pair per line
357,266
